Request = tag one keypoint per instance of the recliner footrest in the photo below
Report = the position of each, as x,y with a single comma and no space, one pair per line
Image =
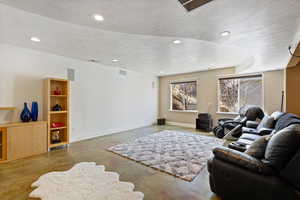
238,146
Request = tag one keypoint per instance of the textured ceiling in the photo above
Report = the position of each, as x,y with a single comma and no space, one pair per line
140,32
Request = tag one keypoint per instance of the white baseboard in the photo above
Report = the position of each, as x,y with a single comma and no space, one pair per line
91,135
187,125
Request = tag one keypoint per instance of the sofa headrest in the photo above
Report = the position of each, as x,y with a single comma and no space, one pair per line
286,120
283,146
252,112
276,115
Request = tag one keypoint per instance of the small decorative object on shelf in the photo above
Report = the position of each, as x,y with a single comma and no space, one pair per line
161,121
57,91
57,107
55,137
34,111
57,124
25,114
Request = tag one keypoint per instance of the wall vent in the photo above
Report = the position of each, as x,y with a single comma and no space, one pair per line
122,72
71,74
190,5
153,84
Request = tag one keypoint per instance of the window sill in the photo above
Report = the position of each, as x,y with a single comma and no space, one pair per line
227,113
184,111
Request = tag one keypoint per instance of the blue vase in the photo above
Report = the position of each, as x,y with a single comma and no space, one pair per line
34,111
25,114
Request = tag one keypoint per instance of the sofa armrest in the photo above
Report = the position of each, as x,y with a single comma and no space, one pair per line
232,122
265,131
242,160
252,124
225,119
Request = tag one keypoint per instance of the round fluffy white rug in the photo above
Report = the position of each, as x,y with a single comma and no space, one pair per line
85,181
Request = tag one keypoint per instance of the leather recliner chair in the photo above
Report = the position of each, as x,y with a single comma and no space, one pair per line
249,112
235,175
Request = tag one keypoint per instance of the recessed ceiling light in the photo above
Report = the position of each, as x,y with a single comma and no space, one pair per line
115,60
225,33
98,18
177,41
35,39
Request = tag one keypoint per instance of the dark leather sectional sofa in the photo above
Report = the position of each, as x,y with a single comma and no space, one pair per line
235,175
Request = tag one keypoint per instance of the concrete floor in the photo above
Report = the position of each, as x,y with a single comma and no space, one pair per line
17,176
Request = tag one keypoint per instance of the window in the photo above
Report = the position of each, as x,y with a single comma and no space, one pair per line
184,96
236,92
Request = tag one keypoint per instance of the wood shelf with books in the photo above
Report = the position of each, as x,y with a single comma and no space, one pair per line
56,111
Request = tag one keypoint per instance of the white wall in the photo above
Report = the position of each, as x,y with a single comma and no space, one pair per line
102,101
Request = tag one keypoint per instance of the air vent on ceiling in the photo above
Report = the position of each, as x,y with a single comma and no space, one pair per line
193,4
94,61
122,72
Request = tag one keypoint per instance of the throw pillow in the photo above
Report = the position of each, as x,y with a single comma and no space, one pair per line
258,148
282,146
266,122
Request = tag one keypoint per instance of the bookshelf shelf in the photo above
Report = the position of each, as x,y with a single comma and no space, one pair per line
58,144
59,96
58,112
59,128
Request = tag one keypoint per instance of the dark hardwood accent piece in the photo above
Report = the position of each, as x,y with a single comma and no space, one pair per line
193,4
183,1
295,61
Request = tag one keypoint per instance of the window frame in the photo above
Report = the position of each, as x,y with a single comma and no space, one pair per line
261,75
170,95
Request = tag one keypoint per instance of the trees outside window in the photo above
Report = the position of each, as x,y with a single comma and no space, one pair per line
235,92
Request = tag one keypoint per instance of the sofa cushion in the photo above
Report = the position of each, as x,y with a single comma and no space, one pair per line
267,122
250,137
258,148
282,146
291,171
250,130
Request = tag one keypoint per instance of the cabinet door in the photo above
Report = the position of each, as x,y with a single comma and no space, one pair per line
26,141
3,144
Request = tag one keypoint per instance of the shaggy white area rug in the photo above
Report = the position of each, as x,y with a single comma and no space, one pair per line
85,181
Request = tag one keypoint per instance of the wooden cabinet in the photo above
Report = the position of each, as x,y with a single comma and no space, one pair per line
21,140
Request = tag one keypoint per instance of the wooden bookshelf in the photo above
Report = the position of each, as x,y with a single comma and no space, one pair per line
51,99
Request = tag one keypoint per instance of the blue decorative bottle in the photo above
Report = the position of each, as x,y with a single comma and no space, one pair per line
34,111
25,114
